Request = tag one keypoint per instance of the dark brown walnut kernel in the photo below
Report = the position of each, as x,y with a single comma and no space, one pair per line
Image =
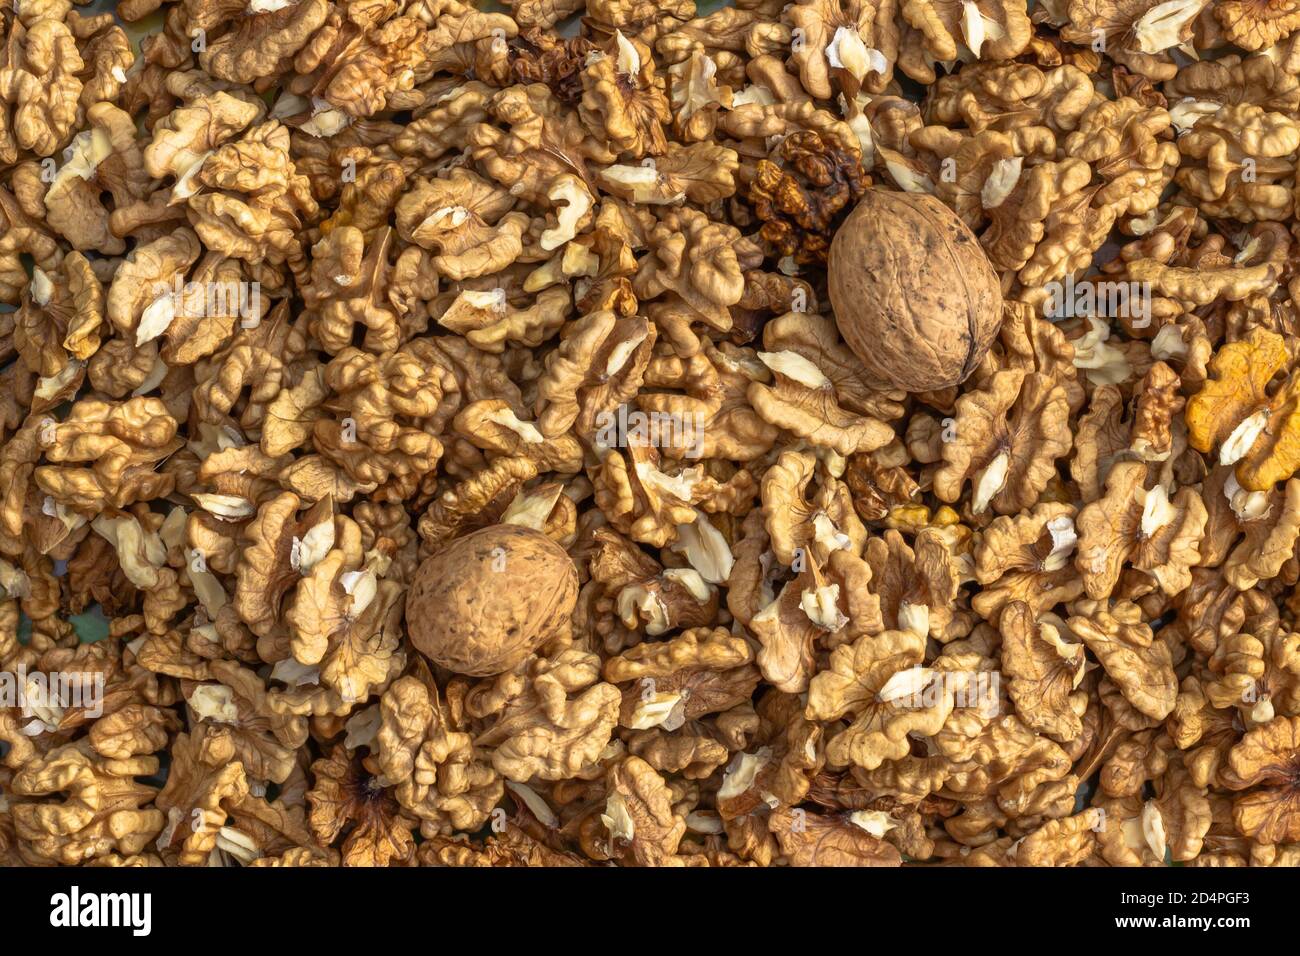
801,192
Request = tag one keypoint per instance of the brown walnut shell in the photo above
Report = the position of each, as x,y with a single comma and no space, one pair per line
915,297
488,600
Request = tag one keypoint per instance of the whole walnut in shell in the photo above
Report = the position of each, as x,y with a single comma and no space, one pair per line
488,600
914,295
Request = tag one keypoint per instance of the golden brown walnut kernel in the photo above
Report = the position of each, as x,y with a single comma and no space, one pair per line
1004,438
550,718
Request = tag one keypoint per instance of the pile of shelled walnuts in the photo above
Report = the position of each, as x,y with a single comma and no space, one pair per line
303,292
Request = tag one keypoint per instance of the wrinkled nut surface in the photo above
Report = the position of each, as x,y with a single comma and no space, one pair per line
489,599
914,295
619,432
